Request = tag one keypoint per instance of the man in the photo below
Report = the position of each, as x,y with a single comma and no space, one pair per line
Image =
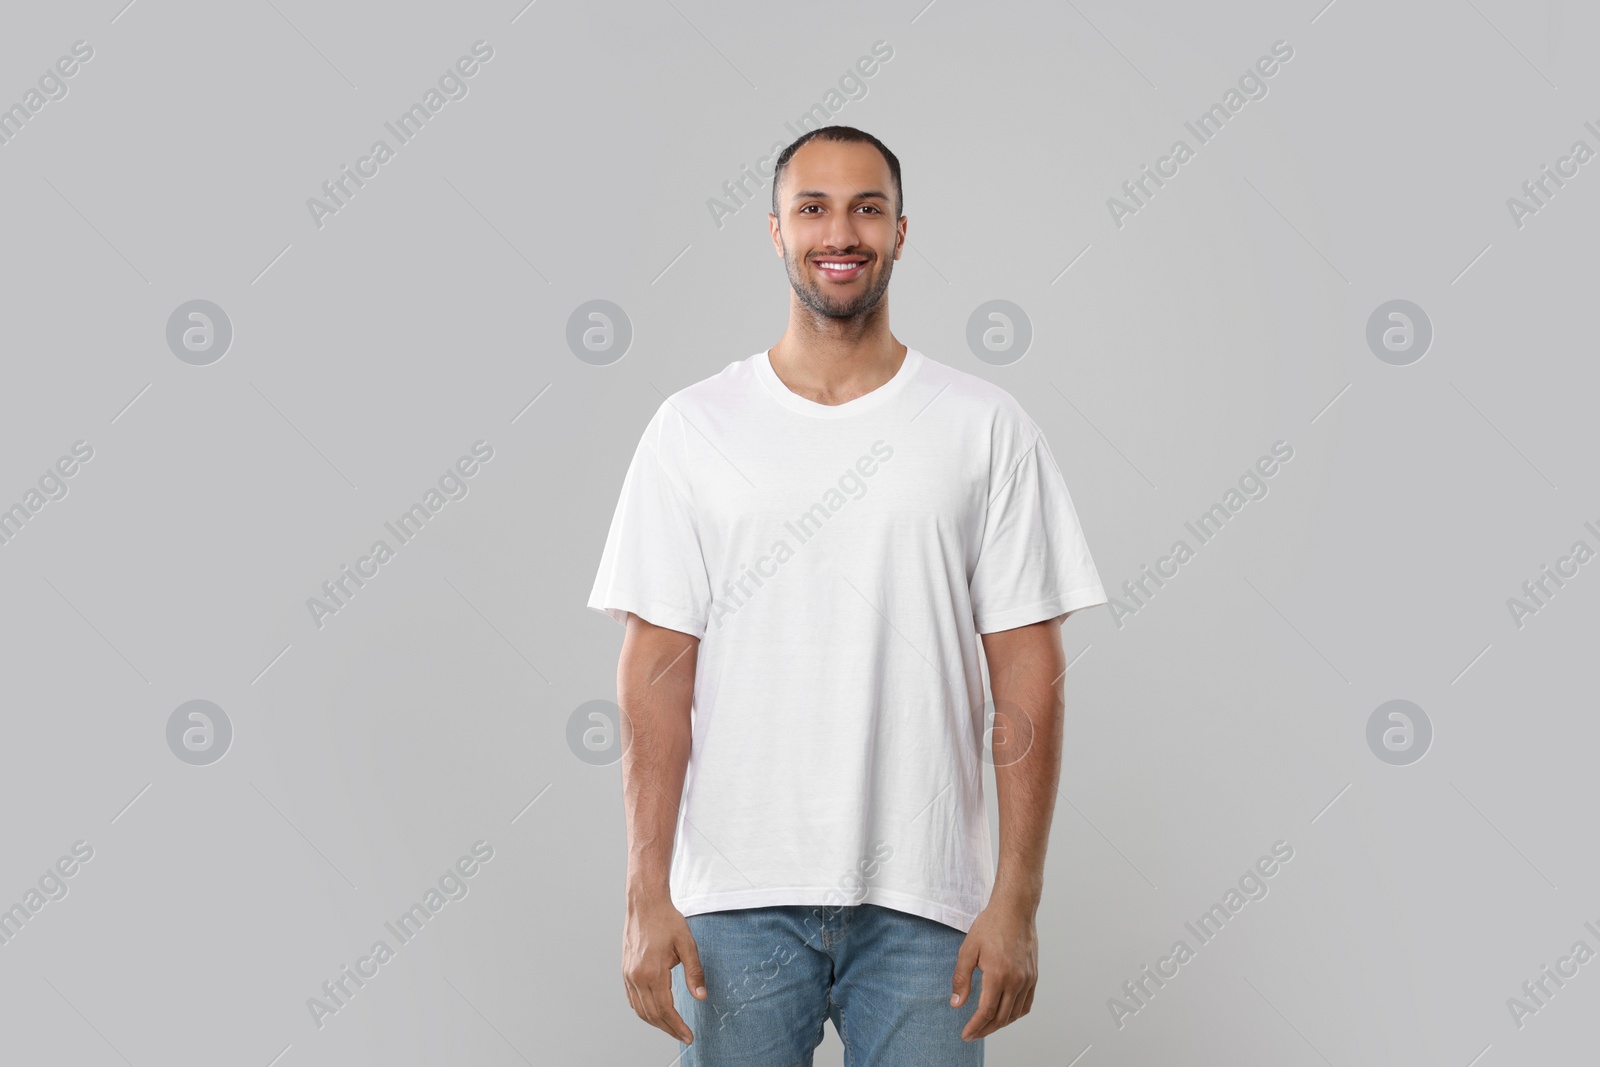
806,548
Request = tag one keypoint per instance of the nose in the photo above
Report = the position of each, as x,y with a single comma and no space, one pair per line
841,233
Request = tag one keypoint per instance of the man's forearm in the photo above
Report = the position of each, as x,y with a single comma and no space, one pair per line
1026,666
655,691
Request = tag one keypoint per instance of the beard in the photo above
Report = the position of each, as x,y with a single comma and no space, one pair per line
813,290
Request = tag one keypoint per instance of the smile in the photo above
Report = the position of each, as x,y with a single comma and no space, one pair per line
841,269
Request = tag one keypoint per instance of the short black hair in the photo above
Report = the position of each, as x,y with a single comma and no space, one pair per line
845,134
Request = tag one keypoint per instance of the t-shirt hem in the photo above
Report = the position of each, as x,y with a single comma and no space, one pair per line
958,916
618,605
1085,597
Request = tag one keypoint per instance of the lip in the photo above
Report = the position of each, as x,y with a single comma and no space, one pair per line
857,267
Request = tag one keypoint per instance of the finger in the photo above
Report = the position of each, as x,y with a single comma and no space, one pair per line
1026,1002
694,974
988,1016
645,1004
656,995
961,980
988,1001
671,1021
1004,996
648,1007
673,1024
636,998
1006,1012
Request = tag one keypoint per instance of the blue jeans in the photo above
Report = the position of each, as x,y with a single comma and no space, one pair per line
774,974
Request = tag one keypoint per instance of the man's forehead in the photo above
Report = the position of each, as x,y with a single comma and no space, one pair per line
861,164
850,171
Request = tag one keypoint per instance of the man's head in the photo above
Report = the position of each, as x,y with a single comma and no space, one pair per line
836,219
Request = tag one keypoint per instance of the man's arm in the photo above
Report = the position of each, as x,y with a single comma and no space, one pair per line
655,691
1026,666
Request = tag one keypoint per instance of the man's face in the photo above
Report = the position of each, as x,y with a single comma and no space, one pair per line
836,229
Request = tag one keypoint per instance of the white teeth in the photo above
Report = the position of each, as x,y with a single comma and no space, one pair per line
837,266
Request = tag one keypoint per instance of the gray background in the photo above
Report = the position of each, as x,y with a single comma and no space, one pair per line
430,313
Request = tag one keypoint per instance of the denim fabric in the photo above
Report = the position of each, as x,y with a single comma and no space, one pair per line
774,974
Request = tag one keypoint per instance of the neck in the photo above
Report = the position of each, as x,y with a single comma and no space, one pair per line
833,361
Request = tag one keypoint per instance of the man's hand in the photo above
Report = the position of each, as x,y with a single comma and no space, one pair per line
656,938
1004,944
655,689
1026,666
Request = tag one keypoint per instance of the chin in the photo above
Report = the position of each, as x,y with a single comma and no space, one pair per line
833,309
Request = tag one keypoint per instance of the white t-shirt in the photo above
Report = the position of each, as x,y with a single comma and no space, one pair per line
838,564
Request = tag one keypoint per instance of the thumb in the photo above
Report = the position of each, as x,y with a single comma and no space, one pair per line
693,974
961,982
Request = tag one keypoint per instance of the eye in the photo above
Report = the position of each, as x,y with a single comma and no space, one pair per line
873,207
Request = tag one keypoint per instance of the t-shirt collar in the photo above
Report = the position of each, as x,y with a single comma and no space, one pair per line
866,402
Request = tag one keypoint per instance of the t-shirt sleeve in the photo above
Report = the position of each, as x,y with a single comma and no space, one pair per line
1034,562
652,564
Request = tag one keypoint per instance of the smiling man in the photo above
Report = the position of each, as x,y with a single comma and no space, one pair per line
803,716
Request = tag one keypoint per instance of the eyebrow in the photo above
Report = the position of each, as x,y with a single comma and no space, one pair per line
818,194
